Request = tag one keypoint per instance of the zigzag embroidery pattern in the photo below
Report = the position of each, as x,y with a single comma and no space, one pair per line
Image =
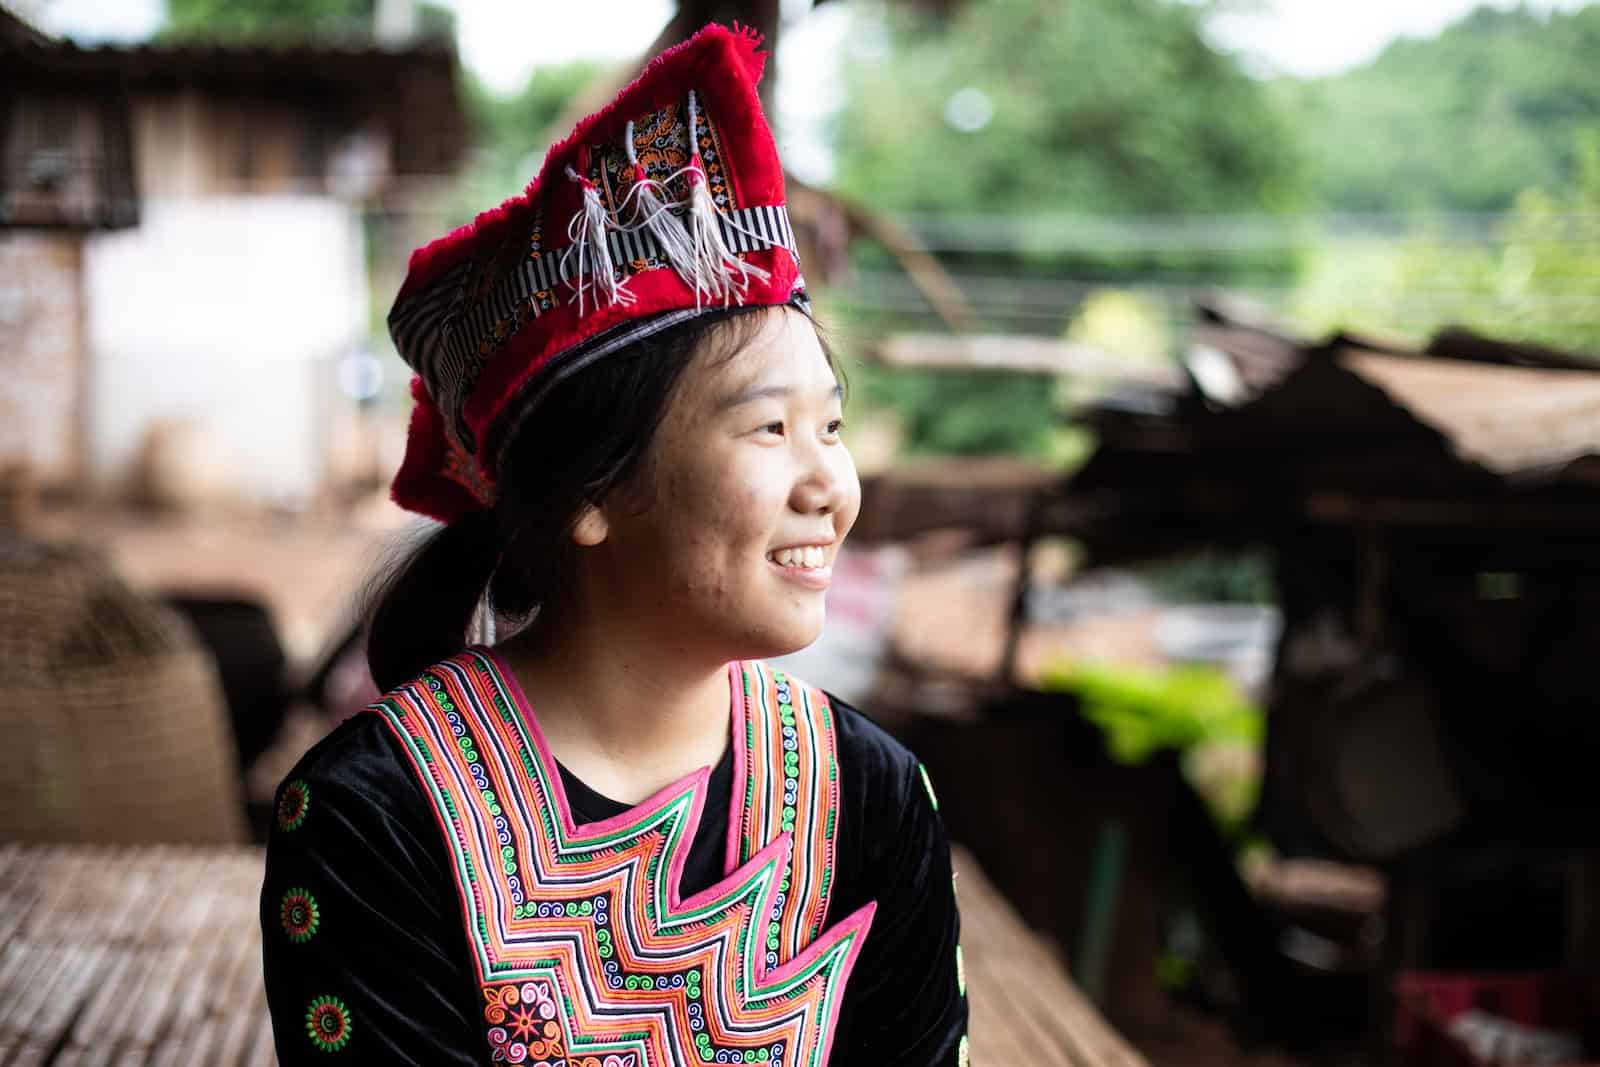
586,955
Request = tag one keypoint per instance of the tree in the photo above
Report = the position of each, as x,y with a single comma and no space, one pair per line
1033,108
1531,279
1461,122
506,133
1021,106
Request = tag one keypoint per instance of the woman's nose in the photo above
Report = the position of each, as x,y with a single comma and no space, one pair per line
828,483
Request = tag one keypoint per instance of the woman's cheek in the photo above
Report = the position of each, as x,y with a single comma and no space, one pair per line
698,489
760,509
849,491
757,483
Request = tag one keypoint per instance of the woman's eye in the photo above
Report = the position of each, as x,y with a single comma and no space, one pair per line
834,426
773,427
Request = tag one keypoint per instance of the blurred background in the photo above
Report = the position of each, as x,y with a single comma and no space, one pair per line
1225,382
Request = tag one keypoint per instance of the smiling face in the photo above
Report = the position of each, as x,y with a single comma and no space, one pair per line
723,545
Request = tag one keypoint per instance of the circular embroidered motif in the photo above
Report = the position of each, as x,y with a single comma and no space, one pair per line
963,1055
328,1023
300,915
293,805
523,1027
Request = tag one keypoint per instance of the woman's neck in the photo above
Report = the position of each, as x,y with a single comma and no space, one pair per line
627,719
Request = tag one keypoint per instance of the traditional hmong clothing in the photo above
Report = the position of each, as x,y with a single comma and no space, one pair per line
439,890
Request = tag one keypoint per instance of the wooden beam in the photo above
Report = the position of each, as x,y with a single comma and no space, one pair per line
923,268
1037,355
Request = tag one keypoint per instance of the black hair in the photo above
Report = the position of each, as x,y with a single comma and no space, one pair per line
581,438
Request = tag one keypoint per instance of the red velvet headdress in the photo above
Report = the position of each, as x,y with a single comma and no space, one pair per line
665,204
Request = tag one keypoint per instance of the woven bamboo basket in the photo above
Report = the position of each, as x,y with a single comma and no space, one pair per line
114,724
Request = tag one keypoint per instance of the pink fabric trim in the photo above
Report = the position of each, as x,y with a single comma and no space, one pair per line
695,779
741,758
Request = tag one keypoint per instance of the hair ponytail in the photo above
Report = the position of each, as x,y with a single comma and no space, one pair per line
422,613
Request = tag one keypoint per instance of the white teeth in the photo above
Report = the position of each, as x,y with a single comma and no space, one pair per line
804,556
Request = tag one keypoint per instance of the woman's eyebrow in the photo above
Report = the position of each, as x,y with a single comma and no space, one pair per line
768,392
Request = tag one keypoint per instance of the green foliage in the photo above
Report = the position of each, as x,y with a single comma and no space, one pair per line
1463,122
226,19
1142,710
508,131
288,19
1124,323
954,412
511,123
1110,106
1098,106
1531,280
1195,710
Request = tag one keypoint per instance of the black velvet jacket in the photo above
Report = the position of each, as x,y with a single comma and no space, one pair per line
384,951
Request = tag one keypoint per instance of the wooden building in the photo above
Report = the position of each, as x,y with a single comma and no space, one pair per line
154,198
1432,516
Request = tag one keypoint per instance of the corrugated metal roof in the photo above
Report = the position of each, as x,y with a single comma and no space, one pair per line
1518,422
1515,410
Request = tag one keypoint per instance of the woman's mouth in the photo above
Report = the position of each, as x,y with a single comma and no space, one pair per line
805,565
808,556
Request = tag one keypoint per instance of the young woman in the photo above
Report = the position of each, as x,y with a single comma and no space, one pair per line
617,838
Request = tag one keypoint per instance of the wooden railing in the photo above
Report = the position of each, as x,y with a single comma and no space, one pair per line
1025,1009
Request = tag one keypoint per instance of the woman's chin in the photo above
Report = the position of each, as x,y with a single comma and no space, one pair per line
770,641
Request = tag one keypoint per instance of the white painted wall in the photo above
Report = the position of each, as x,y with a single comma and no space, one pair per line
41,362
215,311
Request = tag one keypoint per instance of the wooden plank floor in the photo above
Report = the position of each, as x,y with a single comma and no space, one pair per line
152,956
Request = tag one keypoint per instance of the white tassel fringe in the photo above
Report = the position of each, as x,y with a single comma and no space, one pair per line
693,245
594,269
717,268
653,213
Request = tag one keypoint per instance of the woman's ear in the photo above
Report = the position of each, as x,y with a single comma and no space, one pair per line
591,528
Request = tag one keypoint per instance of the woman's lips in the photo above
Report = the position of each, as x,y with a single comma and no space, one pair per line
807,577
